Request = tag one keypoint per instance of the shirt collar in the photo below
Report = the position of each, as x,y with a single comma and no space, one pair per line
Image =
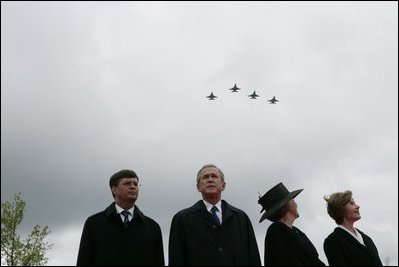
356,235
209,205
119,209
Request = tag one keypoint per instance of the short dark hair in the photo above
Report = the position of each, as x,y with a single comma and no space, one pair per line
116,177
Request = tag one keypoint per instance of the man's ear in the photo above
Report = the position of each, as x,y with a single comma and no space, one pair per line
113,189
224,186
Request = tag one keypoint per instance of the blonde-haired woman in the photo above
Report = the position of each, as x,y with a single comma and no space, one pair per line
346,245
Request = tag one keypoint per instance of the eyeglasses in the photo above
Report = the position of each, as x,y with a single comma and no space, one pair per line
130,183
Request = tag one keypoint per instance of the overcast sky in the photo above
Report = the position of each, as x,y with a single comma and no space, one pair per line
88,89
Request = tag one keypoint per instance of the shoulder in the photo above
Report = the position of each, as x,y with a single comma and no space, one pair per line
332,234
232,208
151,223
338,233
95,217
108,211
197,207
100,217
276,227
278,231
145,218
298,231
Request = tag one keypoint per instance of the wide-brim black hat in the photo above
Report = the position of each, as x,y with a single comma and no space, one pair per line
274,199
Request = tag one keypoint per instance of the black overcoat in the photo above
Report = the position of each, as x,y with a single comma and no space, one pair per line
342,249
105,240
196,240
285,246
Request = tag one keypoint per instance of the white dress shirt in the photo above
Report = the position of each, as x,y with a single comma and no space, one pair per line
356,235
119,210
218,205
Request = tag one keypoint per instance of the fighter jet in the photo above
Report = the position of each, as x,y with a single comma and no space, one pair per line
253,95
273,100
234,89
211,96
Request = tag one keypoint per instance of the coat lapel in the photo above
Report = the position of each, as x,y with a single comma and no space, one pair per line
350,238
200,208
227,212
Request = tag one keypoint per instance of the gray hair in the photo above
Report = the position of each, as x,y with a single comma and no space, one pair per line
199,174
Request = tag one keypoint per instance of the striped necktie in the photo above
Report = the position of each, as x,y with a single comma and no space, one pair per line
214,215
125,213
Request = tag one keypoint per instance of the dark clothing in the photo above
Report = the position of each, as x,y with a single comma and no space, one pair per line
285,246
105,240
196,240
342,249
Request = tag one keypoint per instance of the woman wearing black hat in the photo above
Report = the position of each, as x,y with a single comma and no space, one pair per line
346,245
285,245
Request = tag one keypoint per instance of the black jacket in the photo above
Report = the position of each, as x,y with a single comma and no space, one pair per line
105,241
285,246
342,249
196,240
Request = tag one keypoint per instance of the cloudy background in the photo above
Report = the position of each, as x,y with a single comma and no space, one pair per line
88,89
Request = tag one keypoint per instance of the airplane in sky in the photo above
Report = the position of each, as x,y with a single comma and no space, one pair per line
273,100
211,96
234,89
253,95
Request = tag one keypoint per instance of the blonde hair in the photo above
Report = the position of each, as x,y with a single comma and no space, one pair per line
336,203
199,174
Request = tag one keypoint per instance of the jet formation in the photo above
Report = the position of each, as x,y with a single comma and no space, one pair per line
235,89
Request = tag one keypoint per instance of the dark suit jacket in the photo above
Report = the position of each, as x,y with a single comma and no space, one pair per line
342,249
105,240
285,246
196,240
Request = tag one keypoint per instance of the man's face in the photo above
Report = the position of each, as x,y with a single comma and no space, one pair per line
126,190
210,182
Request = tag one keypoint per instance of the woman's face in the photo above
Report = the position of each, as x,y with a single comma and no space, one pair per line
352,211
293,208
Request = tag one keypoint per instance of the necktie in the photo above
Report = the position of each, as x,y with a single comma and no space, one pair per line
125,213
214,215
